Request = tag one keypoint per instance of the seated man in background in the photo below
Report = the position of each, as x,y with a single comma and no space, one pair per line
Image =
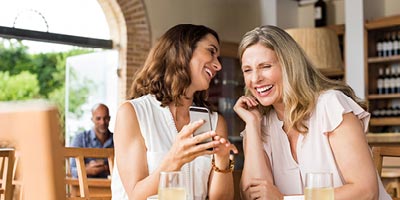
97,137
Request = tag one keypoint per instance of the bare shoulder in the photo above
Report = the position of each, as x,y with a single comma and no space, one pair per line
126,108
126,122
350,124
349,132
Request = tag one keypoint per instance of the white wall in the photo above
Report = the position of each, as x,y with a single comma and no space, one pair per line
373,9
392,7
335,13
354,43
230,18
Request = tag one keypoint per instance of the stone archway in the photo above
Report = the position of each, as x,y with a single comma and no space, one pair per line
131,34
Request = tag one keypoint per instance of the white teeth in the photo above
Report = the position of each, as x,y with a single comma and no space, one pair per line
263,89
209,72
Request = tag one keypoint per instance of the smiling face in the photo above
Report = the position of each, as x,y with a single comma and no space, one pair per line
101,119
262,74
204,64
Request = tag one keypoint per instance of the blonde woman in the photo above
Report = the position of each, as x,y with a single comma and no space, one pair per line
298,121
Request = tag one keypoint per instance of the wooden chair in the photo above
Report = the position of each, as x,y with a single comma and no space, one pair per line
17,178
379,152
7,164
32,128
93,188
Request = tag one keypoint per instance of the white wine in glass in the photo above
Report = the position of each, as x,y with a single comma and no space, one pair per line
319,186
171,186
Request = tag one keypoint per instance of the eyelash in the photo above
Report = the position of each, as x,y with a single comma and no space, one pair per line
212,51
262,67
266,66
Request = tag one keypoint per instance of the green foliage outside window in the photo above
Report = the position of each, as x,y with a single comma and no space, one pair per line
18,87
39,76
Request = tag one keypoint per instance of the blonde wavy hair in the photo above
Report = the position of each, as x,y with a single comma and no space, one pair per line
166,72
302,82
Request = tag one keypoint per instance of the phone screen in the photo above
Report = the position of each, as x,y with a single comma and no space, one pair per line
196,113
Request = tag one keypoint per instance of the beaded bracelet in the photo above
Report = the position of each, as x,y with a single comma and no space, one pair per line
228,170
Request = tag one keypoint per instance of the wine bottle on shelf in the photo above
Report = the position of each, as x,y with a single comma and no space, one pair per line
396,111
389,45
391,111
384,45
380,82
398,41
379,47
376,113
320,13
397,66
393,79
383,112
395,43
386,81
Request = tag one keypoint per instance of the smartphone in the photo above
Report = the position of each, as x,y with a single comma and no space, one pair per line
196,113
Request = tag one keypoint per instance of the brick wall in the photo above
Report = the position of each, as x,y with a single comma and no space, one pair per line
130,32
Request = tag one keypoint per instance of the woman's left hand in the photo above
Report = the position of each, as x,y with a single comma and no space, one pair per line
261,189
224,147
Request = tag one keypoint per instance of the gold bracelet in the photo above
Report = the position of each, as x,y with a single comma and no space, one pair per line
227,170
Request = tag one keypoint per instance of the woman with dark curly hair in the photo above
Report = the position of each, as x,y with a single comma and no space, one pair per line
153,132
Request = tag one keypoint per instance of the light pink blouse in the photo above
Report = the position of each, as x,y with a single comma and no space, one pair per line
313,150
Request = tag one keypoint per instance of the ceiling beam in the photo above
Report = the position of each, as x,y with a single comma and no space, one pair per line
24,34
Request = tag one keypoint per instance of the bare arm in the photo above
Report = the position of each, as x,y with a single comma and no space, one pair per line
354,160
257,180
221,184
129,149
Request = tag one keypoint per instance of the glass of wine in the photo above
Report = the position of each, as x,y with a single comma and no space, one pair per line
319,186
171,186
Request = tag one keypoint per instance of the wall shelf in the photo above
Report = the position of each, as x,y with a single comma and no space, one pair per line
383,22
386,121
375,31
383,59
384,96
383,138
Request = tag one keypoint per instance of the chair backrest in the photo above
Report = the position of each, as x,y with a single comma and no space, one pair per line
79,154
7,164
383,151
17,178
378,153
33,129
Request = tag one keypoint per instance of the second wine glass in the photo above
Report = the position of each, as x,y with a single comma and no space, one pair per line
319,186
171,186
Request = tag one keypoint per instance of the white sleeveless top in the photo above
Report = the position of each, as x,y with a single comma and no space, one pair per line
313,150
158,130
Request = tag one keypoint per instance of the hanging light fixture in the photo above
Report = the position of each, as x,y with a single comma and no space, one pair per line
321,46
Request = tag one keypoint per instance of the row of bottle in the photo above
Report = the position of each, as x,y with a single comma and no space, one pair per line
387,129
392,109
388,44
388,81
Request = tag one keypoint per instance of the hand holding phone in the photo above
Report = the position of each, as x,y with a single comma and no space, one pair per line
197,113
